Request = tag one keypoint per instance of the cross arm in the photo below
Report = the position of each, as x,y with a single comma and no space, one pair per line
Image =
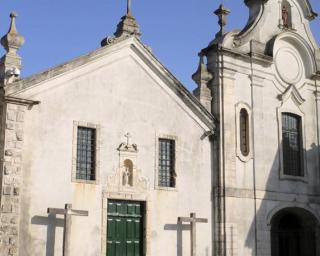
56,211
202,220
79,213
187,219
67,211
184,219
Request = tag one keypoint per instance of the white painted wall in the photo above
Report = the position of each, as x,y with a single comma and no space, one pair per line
121,94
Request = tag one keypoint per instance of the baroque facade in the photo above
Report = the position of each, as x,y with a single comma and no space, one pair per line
117,136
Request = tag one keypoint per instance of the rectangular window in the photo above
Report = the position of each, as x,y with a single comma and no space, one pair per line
167,174
291,144
86,154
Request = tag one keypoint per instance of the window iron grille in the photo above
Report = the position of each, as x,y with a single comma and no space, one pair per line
86,153
167,174
292,144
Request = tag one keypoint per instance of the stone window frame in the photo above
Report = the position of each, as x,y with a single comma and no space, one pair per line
287,108
240,155
74,179
287,119
156,177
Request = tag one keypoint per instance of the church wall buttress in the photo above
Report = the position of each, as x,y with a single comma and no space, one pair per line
228,122
258,149
11,162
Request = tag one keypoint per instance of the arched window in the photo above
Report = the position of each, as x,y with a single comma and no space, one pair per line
244,132
292,144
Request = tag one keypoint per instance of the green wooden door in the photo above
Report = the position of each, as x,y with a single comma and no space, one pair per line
125,228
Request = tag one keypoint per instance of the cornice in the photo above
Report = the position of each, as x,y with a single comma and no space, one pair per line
263,59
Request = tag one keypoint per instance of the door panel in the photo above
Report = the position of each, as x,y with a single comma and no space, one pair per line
125,228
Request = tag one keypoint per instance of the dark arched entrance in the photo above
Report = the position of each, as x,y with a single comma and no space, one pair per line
293,233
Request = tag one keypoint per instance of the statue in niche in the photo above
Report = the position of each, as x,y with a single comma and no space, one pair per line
285,17
127,177
286,14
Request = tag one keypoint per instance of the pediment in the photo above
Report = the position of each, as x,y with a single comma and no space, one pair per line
269,17
304,4
130,48
293,93
307,8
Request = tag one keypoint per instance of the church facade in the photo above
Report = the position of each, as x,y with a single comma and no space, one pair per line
109,154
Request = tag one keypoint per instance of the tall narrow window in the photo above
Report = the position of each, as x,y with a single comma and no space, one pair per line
244,132
86,153
167,174
291,144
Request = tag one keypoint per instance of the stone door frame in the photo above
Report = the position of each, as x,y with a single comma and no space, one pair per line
309,210
147,218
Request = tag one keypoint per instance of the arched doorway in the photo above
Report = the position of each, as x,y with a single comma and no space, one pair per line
294,233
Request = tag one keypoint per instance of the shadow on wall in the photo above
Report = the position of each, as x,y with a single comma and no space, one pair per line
178,228
287,224
51,222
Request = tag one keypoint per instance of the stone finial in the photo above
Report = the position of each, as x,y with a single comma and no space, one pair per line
12,41
202,77
222,13
10,63
127,27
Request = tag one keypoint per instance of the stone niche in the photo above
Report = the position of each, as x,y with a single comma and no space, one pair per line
127,178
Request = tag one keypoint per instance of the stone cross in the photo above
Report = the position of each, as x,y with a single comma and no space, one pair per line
222,13
128,136
193,221
129,7
67,212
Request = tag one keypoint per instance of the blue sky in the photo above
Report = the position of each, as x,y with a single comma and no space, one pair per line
59,30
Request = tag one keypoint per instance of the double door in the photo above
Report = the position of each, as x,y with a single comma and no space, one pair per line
125,224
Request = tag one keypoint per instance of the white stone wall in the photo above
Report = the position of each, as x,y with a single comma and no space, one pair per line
120,94
11,172
268,69
258,181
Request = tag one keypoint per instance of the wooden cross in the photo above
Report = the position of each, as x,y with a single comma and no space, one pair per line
193,221
129,7
67,212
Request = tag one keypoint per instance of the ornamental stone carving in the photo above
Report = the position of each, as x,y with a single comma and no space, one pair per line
127,178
